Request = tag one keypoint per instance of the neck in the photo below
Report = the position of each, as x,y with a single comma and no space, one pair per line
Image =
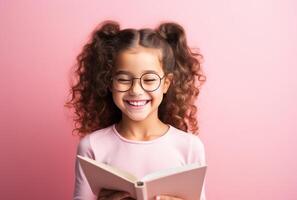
141,130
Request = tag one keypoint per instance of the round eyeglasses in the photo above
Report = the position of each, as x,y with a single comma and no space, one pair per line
148,81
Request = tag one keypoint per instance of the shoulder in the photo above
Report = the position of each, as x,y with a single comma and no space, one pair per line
193,144
187,137
86,144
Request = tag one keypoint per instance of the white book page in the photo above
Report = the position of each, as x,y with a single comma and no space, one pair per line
169,171
129,177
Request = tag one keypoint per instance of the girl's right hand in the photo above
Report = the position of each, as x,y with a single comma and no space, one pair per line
106,194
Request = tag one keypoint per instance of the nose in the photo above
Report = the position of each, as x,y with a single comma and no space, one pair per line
136,86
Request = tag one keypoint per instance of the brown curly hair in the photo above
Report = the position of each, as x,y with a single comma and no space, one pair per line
90,94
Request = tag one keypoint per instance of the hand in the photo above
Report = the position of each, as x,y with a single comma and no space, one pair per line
167,197
106,194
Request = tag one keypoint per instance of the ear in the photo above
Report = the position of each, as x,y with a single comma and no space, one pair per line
167,82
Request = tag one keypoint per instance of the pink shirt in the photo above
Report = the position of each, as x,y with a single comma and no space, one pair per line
172,149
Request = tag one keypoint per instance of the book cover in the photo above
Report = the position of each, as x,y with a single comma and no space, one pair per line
185,182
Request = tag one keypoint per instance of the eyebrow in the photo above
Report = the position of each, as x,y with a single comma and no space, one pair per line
127,72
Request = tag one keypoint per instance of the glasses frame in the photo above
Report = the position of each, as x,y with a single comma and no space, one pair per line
132,79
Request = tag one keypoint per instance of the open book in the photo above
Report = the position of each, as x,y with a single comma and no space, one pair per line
185,182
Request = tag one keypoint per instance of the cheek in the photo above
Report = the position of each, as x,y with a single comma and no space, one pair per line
162,88
157,95
117,98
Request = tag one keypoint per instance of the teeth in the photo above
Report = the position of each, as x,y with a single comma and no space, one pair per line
138,103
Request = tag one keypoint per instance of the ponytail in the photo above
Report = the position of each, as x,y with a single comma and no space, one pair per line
174,34
186,70
90,95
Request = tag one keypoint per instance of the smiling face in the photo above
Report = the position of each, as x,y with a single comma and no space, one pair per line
134,63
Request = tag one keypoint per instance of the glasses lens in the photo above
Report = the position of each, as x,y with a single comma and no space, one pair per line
150,82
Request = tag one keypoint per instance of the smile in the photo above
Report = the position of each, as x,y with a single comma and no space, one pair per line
137,104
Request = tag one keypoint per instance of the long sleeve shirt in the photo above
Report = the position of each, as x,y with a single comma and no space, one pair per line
173,149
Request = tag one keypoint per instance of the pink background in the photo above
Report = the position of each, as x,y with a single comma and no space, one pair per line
247,108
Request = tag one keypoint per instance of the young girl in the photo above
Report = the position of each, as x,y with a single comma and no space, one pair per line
134,101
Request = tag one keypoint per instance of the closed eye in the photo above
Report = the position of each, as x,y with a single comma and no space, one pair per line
123,80
150,80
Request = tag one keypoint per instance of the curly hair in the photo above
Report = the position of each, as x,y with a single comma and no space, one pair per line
90,94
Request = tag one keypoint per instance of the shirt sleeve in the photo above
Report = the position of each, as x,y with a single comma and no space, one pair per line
197,154
82,189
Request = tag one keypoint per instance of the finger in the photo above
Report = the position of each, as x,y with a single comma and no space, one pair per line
167,197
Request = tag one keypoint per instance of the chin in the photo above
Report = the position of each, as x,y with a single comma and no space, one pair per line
136,117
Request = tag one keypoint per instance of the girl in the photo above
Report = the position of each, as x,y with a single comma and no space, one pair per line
134,101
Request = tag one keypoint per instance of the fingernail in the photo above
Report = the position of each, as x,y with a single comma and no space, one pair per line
158,197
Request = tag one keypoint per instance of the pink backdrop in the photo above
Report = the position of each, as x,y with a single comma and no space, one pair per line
247,111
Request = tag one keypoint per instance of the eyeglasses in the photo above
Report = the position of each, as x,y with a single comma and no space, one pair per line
148,81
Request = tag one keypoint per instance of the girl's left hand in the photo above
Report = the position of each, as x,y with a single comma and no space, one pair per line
167,197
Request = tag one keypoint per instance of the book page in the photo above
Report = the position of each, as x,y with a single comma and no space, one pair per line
184,183
123,174
169,171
